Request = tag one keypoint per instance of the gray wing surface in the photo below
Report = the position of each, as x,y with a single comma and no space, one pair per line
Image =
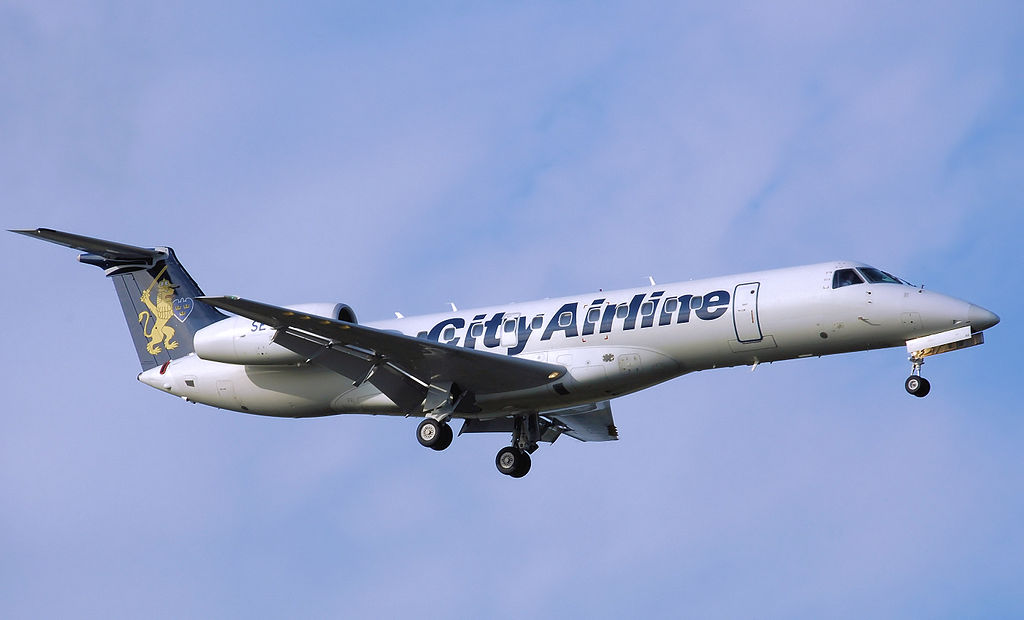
400,366
586,423
591,422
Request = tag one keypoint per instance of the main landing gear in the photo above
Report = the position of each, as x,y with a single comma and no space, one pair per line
515,460
434,435
916,384
511,460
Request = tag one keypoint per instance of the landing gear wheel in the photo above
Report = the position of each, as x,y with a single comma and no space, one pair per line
445,439
433,434
523,467
918,386
513,462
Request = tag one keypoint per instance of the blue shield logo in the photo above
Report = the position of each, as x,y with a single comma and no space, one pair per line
182,308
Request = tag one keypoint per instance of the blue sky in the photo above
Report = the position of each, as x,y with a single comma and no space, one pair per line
399,158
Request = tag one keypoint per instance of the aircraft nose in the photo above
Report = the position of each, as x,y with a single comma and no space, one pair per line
980,318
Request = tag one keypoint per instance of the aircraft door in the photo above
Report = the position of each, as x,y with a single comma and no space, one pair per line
744,312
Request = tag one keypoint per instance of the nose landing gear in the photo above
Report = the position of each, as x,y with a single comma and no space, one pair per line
915,384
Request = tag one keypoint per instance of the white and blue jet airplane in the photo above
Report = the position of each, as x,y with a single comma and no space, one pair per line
536,370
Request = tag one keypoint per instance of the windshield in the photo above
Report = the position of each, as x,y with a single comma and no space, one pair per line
877,276
845,277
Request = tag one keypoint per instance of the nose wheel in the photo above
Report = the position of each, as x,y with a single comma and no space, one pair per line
916,384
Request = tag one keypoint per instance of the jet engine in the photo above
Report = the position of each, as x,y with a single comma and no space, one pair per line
237,340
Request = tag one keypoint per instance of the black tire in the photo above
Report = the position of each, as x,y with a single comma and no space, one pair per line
429,433
509,461
523,467
445,439
917,386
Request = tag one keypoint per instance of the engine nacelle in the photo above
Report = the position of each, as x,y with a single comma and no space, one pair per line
238,340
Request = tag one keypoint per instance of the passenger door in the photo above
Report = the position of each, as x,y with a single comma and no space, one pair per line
744,312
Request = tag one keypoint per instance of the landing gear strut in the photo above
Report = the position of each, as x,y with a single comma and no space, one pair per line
434,435
916,384
515,460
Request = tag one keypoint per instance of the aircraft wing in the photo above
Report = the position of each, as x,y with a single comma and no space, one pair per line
586,422
402,367
591,422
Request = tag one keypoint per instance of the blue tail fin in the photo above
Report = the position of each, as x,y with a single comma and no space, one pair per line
157,294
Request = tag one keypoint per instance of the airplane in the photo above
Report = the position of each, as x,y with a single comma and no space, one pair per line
536,370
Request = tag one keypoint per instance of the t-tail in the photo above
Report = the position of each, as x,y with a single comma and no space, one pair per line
157,295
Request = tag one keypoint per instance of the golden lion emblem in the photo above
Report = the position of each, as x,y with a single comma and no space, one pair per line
161,311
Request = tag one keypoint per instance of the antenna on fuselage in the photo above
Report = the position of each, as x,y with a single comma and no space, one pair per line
651,278
454,309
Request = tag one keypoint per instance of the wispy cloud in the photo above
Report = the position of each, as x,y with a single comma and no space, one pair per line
398,159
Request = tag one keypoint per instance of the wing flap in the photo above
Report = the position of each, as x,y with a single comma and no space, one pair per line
404,391
587,423
591,422
408,363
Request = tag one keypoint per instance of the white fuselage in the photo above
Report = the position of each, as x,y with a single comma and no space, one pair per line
611,343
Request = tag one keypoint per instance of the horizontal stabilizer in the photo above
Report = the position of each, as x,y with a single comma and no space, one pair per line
108,249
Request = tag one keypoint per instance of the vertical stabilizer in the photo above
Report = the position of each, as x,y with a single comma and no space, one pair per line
157,295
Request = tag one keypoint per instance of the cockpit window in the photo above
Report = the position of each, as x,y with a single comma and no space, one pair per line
877,276
846,277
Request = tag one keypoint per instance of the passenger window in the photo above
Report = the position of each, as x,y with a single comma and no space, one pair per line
845,277
565,319
671,305
622,311
537,322
647,309
594,314
449,334
510,326
478,330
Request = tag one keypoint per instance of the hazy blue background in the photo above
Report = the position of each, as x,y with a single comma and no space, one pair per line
398,158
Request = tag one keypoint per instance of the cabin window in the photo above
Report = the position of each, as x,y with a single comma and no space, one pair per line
538,322
622,311
846,277
565,319
448,334
647,309
478,330
696,301
510,326
671,305
594,314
